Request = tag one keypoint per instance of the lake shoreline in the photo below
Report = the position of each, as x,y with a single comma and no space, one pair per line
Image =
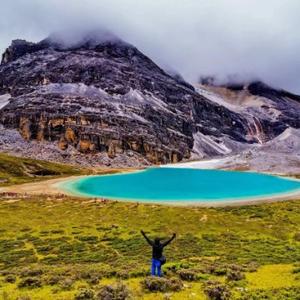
293,195
61,186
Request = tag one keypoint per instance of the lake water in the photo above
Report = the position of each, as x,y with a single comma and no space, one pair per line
183,185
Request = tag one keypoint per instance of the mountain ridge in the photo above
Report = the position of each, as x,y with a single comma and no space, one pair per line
95,98
105,99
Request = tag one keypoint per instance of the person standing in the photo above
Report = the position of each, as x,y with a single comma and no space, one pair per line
157,253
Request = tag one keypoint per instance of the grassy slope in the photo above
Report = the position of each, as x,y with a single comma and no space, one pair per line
17,170
75,240
69,243
14,170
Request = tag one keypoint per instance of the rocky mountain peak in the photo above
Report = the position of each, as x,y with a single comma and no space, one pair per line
68,41
17,49
99,96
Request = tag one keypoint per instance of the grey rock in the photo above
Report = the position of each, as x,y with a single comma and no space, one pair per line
105,96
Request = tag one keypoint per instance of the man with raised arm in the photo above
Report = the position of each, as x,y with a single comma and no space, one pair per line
157,253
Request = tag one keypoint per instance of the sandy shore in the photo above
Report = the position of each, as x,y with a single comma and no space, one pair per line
49,187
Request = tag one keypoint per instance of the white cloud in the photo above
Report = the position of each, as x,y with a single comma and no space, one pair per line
252,38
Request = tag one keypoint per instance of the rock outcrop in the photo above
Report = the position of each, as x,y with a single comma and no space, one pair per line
104,95
267,111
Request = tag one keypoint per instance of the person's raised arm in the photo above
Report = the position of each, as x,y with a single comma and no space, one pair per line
146,238
170,240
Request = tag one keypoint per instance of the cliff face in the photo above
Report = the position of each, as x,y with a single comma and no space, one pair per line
106,96
267,111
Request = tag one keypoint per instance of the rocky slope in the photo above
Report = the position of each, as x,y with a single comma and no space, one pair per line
106,96
260,103
100,101
280,156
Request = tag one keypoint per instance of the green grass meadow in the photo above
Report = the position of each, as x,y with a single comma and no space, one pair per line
59,247
53,248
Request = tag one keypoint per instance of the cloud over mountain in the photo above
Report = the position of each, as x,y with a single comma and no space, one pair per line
249,39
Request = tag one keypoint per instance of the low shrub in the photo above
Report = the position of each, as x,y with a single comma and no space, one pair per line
217,291
123,274
57,231
188,275
174,285
155,284
93,280
158,284
10,278
88,238
219,271
235,267
66,284
235,275
215,268
54,279
296,270
251,267
26,272
113,292
84,294
5,273
297,236
30,282
91,276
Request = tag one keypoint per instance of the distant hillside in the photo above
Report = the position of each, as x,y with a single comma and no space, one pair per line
20,170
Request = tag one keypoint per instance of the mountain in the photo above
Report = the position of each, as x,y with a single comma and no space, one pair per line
271,110
275,118
98,100
257,99
105,97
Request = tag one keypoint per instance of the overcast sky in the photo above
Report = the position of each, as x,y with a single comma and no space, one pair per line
248,38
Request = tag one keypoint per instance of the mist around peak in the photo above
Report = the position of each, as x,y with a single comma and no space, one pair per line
77,37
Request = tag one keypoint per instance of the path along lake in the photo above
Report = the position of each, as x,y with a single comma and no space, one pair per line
163,185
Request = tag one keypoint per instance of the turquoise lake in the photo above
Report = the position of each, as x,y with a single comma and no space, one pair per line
182,185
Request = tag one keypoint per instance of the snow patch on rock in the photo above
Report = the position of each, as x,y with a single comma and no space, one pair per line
74,89
279,156
205,144
217,99
4,100
203,164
